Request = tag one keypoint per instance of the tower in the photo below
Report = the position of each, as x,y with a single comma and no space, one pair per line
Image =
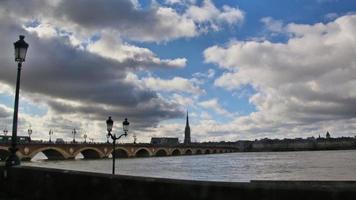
187,131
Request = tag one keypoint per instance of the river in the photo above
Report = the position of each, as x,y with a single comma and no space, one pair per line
231,167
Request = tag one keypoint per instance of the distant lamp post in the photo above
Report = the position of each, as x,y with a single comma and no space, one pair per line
74,132
50,133
85,137
20,54
135,138
5,132
107,138
29,132
109,125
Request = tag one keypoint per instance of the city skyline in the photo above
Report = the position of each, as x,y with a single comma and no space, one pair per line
243,69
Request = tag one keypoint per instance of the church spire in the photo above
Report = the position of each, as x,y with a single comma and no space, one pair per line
187,131
187,121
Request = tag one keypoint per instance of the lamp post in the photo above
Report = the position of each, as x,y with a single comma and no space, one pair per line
135,138
107,138
5,132
85,137
74,132
109,125
50,133
20,54
29,132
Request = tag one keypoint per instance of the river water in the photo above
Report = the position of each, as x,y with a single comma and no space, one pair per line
231,167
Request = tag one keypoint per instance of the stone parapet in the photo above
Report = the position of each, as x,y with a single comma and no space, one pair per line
41,183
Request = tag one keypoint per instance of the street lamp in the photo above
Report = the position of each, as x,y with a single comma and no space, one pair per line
20,54
85,137
5,132
135,138
74,132
50,133
109,125
107,138
29,132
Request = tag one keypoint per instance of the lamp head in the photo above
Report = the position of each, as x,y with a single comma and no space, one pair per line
125,125
109,124
20,49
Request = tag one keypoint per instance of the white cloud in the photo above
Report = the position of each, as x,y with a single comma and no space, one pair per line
208,74
209,13
214,105
304,84
205,116
331,16
172,25
272,24
206,12
230,15
45,30
183,100
231,81
180,2
112,47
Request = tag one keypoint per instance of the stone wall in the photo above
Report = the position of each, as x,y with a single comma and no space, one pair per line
40,183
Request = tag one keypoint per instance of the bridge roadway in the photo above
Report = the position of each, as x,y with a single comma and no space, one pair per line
55,151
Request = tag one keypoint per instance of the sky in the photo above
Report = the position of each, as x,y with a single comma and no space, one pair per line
243,69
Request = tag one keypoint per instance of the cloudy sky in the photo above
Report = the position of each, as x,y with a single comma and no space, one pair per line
244,69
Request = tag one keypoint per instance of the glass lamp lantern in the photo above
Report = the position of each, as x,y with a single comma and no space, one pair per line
20,49
109,124
125,125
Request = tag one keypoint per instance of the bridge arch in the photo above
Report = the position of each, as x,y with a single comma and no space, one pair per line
4,153
161,152
207,151
52,153
176,152
121,153
188,152
89,153
215,151
142,152
198,151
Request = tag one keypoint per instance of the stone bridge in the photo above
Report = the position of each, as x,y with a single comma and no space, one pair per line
103,150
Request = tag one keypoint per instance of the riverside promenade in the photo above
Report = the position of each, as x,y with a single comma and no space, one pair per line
22,182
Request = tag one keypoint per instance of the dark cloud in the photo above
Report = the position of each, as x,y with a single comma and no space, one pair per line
105,14
54,69
4,113
145,114
151,24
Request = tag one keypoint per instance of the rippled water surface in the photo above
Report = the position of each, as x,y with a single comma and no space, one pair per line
236,167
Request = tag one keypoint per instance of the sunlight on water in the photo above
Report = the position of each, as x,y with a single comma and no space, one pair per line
79,156
39,157
307,165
